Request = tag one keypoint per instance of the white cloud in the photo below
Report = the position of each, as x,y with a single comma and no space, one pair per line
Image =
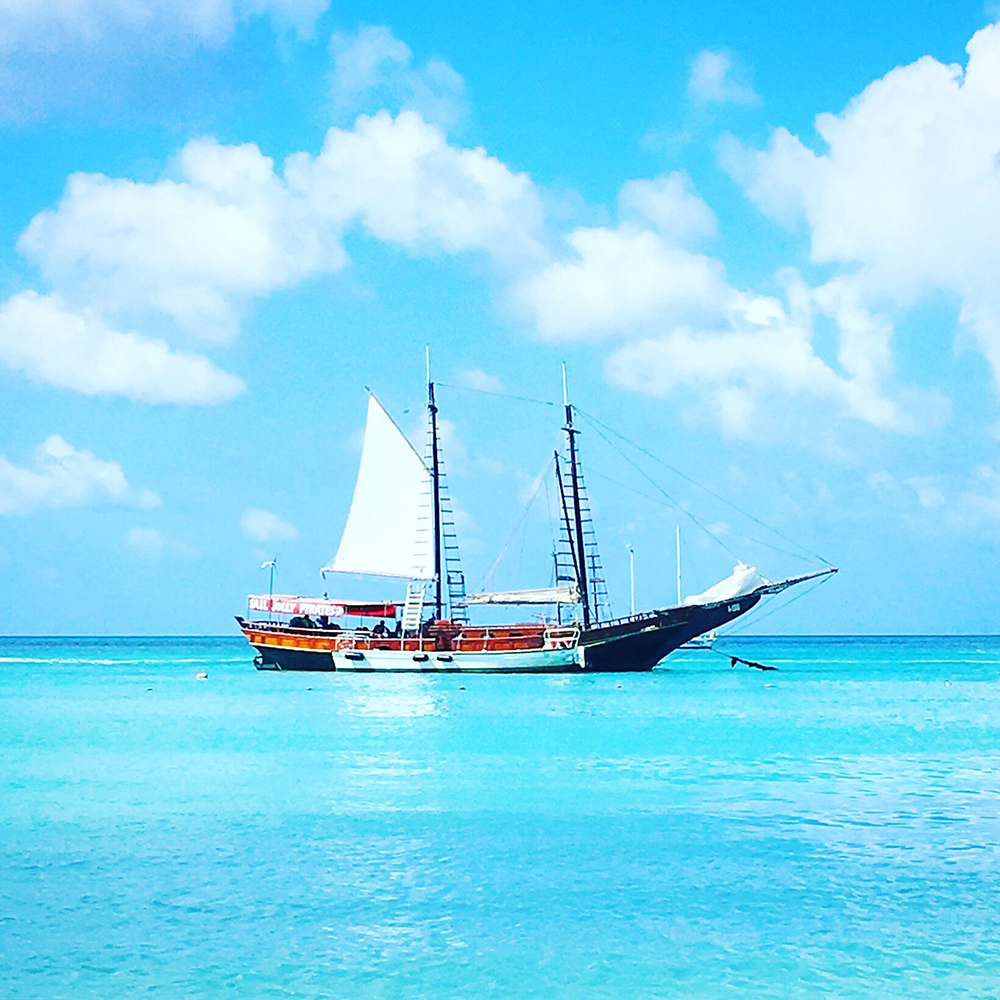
402,180
196,248
132,60
763,353
225,229
263,526
906,191
717,79
670,204
145,541
199,246
614,280
41,337
477,378
62,476
53,25
374,68
361,61
684,326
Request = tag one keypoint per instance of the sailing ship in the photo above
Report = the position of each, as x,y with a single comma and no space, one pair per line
401,526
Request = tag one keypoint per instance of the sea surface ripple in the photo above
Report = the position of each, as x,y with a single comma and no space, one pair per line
828,830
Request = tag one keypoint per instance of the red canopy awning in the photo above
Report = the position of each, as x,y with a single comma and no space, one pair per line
282,604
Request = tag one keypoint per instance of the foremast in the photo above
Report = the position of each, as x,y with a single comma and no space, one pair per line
449,579
435,498
580,557
578,525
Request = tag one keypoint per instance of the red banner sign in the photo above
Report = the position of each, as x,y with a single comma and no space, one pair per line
283,605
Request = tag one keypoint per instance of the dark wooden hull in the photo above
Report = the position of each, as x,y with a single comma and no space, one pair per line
641,641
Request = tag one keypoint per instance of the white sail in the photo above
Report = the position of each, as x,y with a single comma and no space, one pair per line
546,595
388,530
743,580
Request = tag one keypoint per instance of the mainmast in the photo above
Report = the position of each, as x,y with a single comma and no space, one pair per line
435,493
579,553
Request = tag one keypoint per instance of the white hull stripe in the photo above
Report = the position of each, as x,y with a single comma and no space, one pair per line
514,661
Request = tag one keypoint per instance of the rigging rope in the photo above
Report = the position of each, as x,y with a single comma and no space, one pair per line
745,623
490,392
539,479
686,513
599,424
715,538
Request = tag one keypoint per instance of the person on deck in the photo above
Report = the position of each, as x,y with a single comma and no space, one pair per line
380,628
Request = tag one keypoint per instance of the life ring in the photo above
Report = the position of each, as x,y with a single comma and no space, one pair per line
345,642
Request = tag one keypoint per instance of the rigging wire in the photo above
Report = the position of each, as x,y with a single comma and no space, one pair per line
750,620
490,392
681,510
539,479
715,538
599,424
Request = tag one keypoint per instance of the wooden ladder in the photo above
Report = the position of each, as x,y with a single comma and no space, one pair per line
413,609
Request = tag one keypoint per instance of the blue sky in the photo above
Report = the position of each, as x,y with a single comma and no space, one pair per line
763,237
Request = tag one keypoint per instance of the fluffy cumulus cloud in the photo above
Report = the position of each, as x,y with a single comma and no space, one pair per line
196,246
226,228
41,337
901,200
263,526
615,280
64,24
716,78
677,322
406,184
62,476
905,191
669,204
760,350
373,68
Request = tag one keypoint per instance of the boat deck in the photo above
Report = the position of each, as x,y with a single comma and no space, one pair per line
438,638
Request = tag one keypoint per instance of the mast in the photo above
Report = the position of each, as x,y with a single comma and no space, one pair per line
678,565
631,577
581,561
435,492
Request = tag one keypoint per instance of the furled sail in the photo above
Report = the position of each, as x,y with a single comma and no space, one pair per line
743,580
546,595
388,530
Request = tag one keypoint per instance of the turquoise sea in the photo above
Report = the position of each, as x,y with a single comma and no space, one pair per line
828,830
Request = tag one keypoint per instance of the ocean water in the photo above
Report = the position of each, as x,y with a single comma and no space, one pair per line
831,829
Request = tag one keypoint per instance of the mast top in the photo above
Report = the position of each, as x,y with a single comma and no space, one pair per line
565,394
